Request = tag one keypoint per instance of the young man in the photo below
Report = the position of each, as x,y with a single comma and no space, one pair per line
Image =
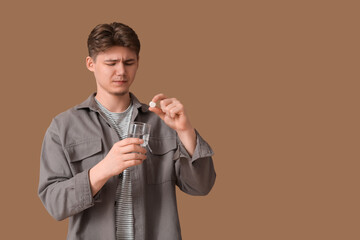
99,179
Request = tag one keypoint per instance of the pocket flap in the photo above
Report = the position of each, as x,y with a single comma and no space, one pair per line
83,149
160,146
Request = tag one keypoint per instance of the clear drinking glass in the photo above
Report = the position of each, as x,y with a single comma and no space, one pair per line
139,130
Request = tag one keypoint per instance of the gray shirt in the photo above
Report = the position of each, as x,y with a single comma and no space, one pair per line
79,138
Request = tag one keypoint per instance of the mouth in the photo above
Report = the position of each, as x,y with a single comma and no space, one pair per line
119,81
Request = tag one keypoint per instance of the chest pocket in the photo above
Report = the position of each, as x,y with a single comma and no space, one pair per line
160,160
84,154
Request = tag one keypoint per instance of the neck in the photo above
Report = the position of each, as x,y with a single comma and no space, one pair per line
114,103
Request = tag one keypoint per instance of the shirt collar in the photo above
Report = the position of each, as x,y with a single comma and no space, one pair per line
90,103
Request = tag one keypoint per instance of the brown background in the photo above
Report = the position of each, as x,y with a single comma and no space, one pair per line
271,85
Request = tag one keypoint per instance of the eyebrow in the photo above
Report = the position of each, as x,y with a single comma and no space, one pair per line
118,60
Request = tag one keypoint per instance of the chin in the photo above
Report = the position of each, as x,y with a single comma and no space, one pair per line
120,94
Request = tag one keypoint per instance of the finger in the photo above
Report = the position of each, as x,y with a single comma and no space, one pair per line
170,104
175,110
132,163
132,148
165,102
166,107
158,97
158,112
133,156
128,141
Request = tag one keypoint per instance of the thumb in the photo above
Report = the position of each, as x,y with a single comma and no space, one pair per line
157,111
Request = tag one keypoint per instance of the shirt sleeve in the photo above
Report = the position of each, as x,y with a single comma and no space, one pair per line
195,175
62,194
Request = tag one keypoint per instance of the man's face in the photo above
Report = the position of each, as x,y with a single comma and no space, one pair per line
114,70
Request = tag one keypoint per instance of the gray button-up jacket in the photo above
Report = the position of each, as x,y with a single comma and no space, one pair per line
79,138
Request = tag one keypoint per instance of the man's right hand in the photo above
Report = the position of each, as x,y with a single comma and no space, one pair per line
123,154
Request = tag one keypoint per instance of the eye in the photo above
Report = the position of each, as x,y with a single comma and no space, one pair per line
110,64
129,62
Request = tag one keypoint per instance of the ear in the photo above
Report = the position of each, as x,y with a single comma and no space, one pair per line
90,63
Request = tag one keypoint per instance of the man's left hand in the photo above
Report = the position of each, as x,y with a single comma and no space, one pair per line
172,112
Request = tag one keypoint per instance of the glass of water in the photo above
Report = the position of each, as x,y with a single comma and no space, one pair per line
139,130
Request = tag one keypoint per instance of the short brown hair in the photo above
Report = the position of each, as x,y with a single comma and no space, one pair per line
105,36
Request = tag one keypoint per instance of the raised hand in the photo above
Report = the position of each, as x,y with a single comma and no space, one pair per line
172,112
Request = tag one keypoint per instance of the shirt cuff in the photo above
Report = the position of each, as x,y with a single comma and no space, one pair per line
83,190
202,149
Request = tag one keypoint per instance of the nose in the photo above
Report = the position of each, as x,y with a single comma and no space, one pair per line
120,70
